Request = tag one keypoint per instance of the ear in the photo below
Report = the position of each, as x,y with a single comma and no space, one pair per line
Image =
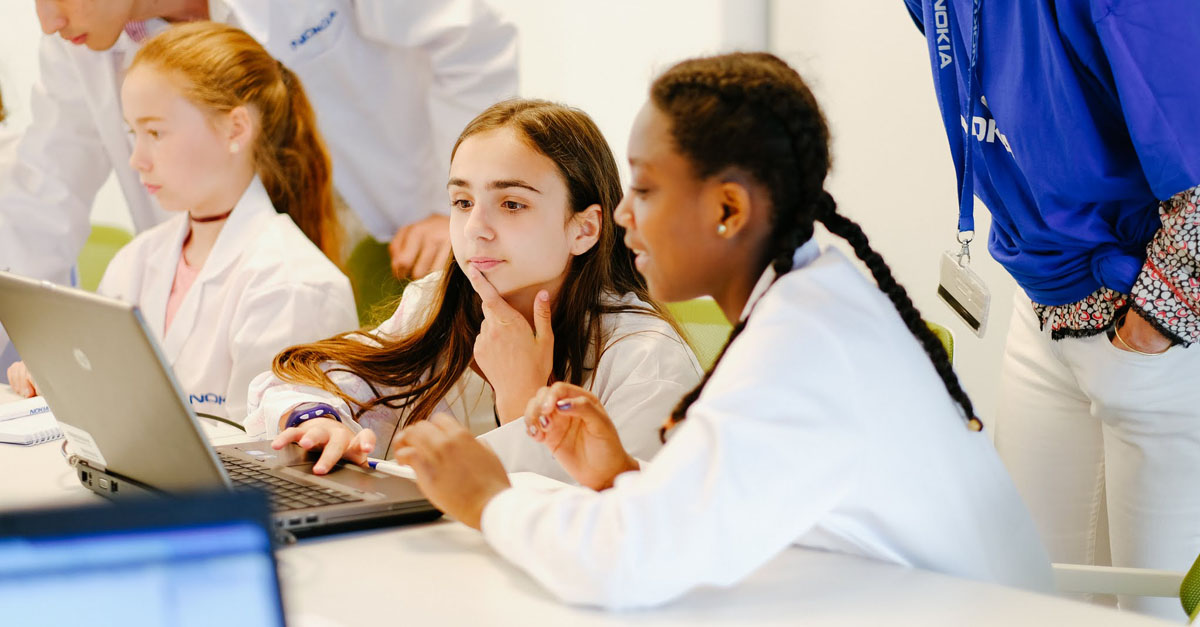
240,128
584,229
736,209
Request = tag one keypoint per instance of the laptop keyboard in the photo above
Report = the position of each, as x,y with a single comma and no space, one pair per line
285,494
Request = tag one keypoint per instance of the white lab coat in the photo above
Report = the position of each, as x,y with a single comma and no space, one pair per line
643,371
393,84
824,426
264,287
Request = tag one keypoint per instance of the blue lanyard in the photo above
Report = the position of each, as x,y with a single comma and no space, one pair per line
946,82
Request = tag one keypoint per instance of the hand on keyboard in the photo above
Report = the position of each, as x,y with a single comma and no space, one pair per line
334,439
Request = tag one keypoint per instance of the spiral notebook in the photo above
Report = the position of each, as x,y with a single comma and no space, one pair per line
28,422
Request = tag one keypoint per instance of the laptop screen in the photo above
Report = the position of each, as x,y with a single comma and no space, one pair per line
178,570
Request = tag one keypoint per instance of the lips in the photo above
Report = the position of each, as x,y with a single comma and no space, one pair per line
640,260
153,189
485,263
79,40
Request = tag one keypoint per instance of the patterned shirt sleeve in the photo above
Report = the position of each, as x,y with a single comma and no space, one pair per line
1167,292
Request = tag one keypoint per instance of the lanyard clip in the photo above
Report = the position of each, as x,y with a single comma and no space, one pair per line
965,238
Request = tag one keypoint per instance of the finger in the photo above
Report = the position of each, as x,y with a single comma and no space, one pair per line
428,439
533,409
542,327
313,437
334,448
397,242
428,258
493,303
287,436
25,388
418,445
557,392
533,426
405,252
413,458
360,447
446,423
446,252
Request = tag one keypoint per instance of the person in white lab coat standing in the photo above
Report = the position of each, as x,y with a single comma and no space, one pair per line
392,84
832,419
224,137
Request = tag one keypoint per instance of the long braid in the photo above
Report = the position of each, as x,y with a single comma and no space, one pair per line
850,231
717,105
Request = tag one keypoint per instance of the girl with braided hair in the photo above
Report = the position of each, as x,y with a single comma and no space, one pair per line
832,419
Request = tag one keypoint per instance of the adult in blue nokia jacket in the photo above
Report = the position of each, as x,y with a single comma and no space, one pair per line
1084,142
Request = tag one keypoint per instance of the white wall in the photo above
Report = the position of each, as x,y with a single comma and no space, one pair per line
601,56
892,168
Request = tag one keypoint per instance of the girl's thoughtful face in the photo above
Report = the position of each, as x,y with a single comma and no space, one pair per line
511,215
180,152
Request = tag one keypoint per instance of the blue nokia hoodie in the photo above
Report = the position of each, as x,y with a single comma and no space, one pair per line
1090,116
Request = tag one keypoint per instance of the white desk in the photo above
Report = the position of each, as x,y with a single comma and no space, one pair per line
444,573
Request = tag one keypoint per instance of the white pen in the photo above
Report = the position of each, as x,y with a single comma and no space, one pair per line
392,468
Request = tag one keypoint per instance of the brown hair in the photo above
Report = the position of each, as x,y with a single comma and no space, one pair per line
753,112
224,68
3,113
426,363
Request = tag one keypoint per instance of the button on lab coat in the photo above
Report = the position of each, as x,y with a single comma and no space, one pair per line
824,426
264,287
642,372
393,83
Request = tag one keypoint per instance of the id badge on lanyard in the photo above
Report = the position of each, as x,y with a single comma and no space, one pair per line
958,285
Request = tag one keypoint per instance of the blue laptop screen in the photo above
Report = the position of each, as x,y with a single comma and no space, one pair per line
221,574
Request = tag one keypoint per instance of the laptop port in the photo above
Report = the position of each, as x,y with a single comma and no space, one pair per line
293,521
114,487
85,477
310,519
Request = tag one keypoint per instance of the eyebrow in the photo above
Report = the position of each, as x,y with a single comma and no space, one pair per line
147,118
501,184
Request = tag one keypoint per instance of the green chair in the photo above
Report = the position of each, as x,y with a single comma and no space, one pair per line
1189,592
369,269
704,327
101,245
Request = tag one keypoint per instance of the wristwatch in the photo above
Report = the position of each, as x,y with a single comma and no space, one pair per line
307,411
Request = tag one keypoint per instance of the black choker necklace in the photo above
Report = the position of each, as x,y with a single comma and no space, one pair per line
216,218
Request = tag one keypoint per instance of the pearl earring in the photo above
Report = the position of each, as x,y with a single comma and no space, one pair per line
721,229
234,148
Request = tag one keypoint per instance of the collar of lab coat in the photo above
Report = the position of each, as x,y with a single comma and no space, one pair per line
250,215
803,256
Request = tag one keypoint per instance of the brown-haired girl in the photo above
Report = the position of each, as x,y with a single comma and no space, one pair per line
540,288
223,136
831,420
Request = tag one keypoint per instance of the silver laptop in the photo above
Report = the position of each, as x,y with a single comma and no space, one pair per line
131,430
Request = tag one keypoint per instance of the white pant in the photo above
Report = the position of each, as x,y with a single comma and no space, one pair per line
1104,446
